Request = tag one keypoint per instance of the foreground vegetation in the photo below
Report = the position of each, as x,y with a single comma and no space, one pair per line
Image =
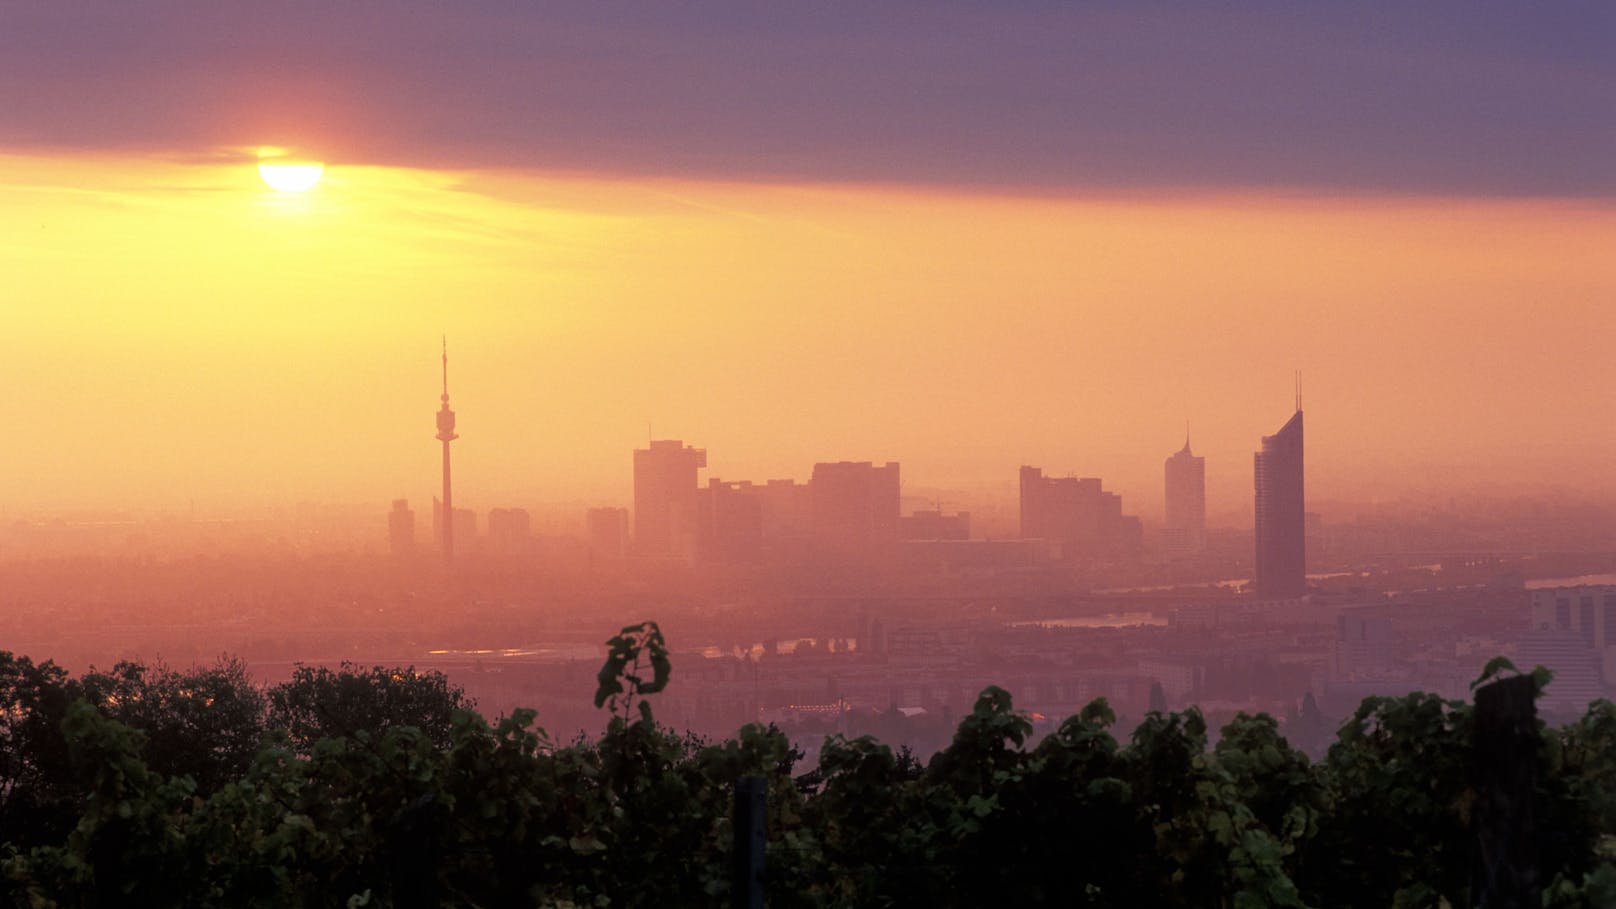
381,787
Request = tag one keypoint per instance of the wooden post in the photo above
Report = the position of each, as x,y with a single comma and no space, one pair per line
751,804
1506,767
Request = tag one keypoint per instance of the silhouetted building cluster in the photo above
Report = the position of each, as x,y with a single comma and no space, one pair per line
1078,515
510,530
846,507
852,509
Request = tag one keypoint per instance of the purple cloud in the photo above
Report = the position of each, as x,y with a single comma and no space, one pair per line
1463,98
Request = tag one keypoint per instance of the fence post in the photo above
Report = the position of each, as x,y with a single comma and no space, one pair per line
751,803
1506,759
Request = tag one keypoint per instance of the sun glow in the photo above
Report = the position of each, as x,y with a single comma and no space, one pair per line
291,176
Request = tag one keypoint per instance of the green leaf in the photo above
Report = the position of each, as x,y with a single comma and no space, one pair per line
1494,666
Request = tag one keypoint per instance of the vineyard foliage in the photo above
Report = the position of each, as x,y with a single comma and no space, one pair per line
381,787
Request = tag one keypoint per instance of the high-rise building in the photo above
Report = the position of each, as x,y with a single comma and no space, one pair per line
401,529
1186,501
1076,514
787,511
510,530
462,530
446,434
1281,556
608,531
1585,618
854,504
666,516
731,521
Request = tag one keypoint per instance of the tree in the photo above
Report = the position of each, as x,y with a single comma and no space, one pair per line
1273,779
319,703
1406,758
502,815
203,722
38,799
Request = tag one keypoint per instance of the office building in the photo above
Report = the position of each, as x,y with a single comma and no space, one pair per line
1281,538
731,521
607,529
1078,516
401,529
666,517
1585,620
510,530
1185,527
854,504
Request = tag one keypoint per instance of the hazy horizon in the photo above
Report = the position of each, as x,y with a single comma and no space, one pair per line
1444,344
964,239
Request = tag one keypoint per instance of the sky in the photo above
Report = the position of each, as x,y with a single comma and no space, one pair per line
961,236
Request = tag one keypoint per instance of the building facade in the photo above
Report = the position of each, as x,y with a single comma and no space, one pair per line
666,518
1581,623
607,529
1281,550
401,529
1077,515
854,504
1185,526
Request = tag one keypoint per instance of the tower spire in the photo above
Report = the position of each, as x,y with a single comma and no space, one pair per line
1298,389
446,434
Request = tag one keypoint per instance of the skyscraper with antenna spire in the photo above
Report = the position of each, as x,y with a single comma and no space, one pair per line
446,434
1186,500
1281,551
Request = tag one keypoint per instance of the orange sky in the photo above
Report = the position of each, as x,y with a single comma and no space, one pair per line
176,332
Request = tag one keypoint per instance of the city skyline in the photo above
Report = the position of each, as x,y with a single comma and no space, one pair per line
823,368
868,249
1494,431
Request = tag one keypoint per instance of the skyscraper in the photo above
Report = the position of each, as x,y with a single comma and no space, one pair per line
1281,512
1186,500
608,531
854,504
666,517
446,434
401,529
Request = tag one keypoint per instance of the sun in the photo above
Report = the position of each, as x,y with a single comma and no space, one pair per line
291,176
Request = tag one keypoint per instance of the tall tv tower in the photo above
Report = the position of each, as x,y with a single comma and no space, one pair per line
446,434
